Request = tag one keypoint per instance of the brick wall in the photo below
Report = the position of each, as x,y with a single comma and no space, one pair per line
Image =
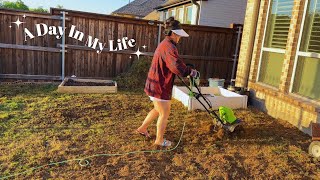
277,102
258,40
294,110
292,43
249,31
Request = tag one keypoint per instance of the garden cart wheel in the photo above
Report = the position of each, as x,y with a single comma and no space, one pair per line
314,149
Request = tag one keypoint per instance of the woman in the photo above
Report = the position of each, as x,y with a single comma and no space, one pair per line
165,65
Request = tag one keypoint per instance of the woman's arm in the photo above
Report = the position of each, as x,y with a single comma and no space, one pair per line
176,64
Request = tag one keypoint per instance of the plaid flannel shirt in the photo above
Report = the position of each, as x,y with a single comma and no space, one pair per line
166,63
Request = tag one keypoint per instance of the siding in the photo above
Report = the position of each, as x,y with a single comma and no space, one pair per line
154,15
222,13
194,11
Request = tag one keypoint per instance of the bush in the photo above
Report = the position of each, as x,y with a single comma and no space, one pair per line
135,78
14,5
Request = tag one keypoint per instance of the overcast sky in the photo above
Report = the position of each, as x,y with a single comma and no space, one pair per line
97,6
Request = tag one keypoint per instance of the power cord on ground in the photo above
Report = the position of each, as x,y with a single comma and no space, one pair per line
83,162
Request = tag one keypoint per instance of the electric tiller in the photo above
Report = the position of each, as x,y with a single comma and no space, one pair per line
226,120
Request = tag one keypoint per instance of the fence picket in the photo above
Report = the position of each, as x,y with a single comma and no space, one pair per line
209,48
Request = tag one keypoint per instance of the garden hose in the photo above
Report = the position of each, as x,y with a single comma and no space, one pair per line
83,162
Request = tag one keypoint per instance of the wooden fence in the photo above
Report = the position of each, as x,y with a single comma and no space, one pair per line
211,49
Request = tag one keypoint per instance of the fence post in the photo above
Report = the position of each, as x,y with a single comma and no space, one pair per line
159,30
63,46
236,54
159,34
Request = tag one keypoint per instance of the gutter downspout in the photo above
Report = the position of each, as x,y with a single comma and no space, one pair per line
198,10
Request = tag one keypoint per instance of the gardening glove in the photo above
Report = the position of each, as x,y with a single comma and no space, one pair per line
194,73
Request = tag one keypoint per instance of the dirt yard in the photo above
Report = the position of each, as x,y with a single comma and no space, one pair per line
39,126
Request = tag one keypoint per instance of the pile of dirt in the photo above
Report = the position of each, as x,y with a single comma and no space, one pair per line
136,77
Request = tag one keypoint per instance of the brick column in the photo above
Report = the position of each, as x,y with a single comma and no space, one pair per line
291,47
258,40
247,42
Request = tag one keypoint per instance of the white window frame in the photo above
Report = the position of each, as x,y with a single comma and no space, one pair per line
186,13
178,18
301,53
165,13
265,49
175,12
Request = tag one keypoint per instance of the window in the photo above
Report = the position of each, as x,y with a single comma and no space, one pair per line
165,15
173,13
180,15
275,40
306,76
189,15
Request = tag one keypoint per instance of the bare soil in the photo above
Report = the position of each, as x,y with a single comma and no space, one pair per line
72,82
39,126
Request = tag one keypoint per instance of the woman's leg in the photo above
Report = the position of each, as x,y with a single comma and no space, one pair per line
152,115
163,108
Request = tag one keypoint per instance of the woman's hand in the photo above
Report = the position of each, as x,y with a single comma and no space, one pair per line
194,73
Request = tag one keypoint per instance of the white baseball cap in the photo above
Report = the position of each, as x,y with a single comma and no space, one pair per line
180,32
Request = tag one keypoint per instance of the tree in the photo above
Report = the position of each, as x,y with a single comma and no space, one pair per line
19,4
39,9
59,6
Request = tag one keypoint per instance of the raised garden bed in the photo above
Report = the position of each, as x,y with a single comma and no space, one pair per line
216,95
87,86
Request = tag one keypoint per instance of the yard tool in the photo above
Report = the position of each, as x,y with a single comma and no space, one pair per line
226,120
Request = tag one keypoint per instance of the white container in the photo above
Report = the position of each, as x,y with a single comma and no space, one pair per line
217,96
213,82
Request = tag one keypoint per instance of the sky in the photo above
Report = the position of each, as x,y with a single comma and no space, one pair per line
96,6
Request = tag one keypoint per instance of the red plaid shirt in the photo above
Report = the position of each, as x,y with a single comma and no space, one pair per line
166,63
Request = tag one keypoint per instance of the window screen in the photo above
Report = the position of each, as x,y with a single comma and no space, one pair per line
278,24
310,41
276,36
180,15
173,13
189,15
307,73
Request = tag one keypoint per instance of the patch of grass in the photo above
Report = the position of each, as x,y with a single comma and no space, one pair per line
4,116
10,104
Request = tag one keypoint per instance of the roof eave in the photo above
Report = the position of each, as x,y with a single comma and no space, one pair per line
128,14
160,8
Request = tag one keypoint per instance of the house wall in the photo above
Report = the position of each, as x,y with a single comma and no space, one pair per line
194,11
216,13
154,15
161,15
277,102
222,13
